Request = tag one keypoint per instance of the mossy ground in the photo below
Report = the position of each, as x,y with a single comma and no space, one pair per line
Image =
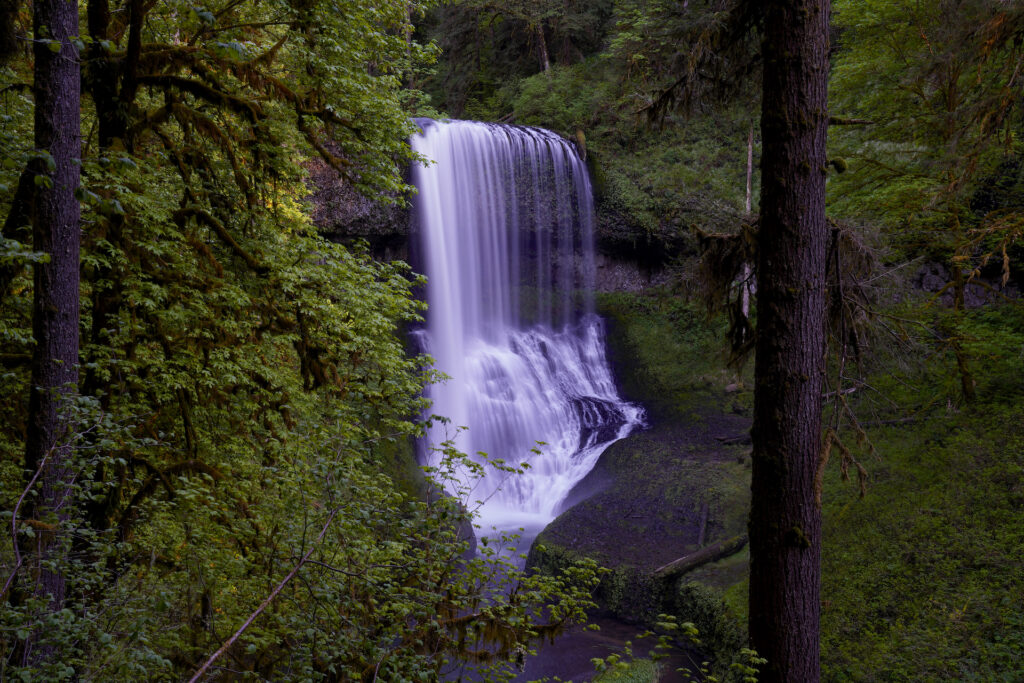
922,578
637,671
671,488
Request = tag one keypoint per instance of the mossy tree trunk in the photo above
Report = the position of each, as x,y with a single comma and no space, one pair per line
785,521
55,224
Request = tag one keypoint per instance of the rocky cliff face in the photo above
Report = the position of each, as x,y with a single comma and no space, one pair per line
986,287
344,215
626,261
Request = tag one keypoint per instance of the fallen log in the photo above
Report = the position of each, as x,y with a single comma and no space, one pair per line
688,563
732,440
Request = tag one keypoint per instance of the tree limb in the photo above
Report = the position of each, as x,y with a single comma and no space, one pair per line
204,92
266,602
844,121
205,216
19,560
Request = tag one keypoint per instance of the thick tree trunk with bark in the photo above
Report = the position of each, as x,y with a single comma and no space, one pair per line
55,224
785,521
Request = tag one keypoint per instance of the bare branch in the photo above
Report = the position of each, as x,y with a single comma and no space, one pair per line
14,524
266,602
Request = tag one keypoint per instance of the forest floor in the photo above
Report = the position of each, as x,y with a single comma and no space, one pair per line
922,575
668,489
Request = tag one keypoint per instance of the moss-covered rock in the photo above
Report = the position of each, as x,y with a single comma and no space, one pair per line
655,497
668,490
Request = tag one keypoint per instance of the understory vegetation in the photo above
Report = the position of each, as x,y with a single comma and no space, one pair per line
236,483
920,573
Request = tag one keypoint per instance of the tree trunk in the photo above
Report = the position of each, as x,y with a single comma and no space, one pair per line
785,521
110,82
542,46
748,205
55,225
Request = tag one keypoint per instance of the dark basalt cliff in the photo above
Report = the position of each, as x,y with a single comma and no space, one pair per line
628,258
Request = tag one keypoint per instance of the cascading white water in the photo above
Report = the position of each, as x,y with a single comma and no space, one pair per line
505,224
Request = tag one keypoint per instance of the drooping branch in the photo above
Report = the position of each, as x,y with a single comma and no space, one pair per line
18,559
158,477
844,121
718,57
211,130
339,164
241,105
201,214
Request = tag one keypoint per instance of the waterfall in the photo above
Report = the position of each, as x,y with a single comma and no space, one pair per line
505,223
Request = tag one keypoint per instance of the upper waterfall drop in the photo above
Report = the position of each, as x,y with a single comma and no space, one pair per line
505,226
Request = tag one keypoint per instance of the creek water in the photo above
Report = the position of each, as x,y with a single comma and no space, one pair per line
504,225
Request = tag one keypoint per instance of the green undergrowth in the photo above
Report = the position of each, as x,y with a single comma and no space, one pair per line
636,671
922,579
668,354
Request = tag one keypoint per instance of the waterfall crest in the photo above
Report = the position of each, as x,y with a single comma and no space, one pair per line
505,224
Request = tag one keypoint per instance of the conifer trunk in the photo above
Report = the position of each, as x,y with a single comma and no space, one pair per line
785,521
542,47
55,225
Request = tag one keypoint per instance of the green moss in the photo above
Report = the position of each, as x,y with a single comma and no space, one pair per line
669,356
922,579
706,609
398,461
636,671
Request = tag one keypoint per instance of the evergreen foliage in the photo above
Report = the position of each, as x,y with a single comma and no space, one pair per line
247,405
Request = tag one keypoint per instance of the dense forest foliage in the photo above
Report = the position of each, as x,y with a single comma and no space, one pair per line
924,192
236,455
245,401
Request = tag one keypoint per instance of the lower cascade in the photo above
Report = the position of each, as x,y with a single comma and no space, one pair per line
505,224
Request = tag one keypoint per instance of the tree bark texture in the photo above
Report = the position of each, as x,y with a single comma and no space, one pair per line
785,521
55,226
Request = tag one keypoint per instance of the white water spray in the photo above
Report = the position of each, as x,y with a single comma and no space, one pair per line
506,238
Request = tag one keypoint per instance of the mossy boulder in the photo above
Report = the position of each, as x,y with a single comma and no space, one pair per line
654,497
667,491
